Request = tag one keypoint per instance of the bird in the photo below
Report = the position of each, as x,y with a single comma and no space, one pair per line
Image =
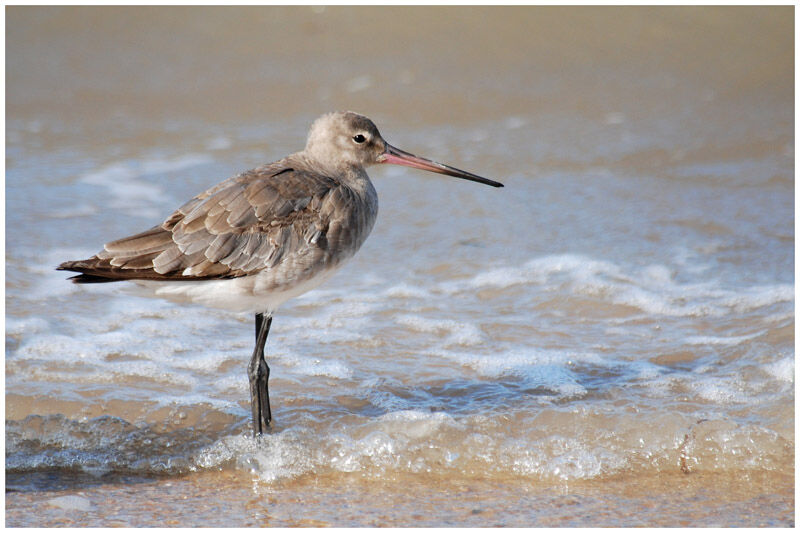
264,236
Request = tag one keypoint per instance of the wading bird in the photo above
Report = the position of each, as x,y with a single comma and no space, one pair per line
266,235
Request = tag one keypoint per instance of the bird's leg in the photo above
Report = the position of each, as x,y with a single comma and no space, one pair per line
258,372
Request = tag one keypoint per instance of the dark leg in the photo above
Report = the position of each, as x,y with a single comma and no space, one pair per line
258,372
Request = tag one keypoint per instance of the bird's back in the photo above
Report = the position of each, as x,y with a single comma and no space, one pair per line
286,222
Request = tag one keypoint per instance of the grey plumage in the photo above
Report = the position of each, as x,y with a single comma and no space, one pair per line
299,216
257,239
244,225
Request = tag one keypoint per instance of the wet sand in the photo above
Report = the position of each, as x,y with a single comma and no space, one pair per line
229,499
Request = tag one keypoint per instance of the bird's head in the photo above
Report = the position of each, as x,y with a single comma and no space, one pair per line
348,139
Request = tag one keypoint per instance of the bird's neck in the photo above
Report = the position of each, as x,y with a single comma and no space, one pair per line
352,175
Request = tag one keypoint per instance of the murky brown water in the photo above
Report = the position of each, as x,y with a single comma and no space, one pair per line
608,341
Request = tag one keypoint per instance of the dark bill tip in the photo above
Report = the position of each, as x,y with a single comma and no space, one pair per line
395,156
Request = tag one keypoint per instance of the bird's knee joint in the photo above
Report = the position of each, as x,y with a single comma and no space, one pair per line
258,372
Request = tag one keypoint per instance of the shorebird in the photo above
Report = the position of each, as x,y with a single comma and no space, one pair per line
264,236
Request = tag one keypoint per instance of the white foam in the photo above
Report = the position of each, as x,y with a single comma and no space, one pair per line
413,423
758,296
46,282
499,278
514,360
721,341
128,192
463,334
403,290
181,347
374,453
58,347
719,390
351,452
26,326
324,330
577,460
548,369
644,370
651,289
233,383
584,442
202,361
392,441
312,366
537,271
273,457
782,369
193,400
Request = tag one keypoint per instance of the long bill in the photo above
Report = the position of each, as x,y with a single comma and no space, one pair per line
396,156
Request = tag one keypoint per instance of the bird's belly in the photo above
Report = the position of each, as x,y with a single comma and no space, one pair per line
300,270
248,294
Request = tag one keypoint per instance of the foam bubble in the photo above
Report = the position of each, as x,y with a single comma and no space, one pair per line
782,369
644,370
147,369
512,360
322,329
500,278
311,366
126,189
271,457
560,444
758,296
204,362
540,270
458,333
652,288
158,346
404,290
721,444
564,458
721,341
413,423
26,326
536,368
719,390
56,346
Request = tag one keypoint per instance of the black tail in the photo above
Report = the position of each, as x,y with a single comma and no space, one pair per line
83,277
89,278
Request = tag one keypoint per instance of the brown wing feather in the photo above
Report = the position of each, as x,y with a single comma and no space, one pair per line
242,225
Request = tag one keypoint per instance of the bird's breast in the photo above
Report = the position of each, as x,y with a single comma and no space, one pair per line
349,213
317,246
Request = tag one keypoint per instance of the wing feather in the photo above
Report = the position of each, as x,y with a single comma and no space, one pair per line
243,225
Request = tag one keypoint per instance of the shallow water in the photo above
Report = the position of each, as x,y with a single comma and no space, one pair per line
608,340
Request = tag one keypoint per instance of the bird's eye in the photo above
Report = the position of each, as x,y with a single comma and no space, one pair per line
359,138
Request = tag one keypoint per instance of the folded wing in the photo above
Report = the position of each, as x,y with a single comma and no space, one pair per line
246,224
